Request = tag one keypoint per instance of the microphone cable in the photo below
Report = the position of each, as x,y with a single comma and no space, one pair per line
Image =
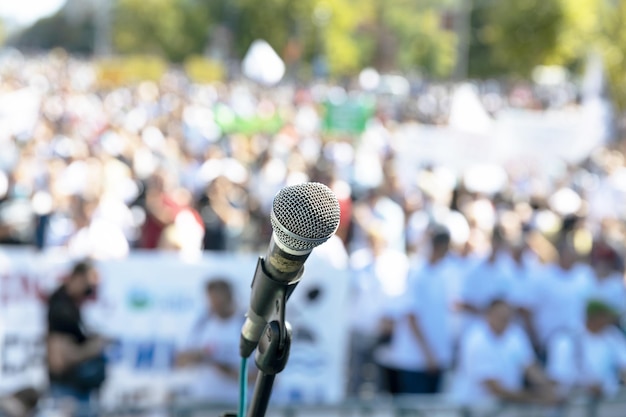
243,385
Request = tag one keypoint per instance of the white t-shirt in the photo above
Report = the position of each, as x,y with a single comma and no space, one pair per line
100,240
586,359
485,356
426,298
522,275
483,284
390,218
334,252
558,299
457,270
220,338
458,266
375,282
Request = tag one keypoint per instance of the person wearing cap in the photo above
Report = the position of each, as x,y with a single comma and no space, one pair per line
593,360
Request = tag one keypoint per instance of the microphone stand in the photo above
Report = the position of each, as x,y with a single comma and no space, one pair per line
272,352
271,359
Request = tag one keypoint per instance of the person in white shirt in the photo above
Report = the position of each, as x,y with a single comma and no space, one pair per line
495,356
489,280
379,276
95,236
557,297
523,265
593,360
212,351
377,211
420,349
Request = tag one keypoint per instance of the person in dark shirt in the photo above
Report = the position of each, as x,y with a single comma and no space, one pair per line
75,358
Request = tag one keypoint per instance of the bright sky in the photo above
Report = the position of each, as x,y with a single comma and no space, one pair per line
24,12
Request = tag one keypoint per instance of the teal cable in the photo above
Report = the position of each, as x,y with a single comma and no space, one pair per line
243,385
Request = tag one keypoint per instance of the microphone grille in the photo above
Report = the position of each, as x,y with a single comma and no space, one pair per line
305,215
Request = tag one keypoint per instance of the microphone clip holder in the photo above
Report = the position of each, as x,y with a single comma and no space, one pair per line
272,351
281,291
270,359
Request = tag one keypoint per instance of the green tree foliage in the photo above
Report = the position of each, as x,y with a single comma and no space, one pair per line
514,36
612,47
275,21
57,31
481,60
343,39
313,27
389,35
171,28
2,33
350,34
283,24
424,44
578,31
507,37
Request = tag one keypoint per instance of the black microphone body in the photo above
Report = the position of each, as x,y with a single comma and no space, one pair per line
271,287
303,217
281,265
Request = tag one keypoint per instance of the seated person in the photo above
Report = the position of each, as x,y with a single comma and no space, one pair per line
212,351
75,356
592,360
495,356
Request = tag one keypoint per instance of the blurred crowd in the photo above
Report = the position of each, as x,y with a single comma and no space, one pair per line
520,291
101,169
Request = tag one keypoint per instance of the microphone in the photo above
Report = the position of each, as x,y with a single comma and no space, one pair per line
303,216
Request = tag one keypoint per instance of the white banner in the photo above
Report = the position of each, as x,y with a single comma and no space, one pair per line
148,302
540,140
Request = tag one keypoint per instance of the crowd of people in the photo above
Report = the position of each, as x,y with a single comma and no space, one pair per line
514,295
102,170
502,327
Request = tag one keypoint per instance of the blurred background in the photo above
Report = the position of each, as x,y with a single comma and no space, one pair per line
477,149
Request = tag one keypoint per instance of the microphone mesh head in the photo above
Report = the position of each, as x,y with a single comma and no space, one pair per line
304,216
